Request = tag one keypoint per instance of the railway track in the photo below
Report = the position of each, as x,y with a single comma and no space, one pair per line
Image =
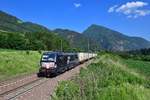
11,86
37,89
13,94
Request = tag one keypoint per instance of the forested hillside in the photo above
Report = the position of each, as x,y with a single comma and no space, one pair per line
142,54
77,40
13,24
112,40
28,35
32,41
19,35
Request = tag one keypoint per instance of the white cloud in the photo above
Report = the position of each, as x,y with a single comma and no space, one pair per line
111,9
77,5
131,9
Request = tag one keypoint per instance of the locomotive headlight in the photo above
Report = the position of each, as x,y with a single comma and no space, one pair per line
55,66
49,65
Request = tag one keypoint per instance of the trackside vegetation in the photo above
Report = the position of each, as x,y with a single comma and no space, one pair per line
110,77
14,63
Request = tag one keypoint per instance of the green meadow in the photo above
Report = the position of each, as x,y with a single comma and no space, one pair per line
15,63
109,77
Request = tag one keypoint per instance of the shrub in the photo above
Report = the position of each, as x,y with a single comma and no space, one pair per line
67,90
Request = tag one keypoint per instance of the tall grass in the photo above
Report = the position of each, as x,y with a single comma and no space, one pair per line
14,63
142,67
106,79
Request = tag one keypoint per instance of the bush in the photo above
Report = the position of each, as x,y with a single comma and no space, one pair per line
27,52
67,90
39,51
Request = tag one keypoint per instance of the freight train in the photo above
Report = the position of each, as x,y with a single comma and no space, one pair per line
54,63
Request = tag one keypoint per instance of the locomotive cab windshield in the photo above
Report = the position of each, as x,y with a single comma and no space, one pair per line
48,60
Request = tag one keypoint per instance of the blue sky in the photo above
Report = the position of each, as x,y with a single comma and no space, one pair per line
131,17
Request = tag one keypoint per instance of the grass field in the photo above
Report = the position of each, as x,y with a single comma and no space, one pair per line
142,67
109,78
15,63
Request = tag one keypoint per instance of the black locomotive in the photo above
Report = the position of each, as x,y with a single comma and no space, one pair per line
53,63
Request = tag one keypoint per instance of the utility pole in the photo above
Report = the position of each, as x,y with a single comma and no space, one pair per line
88,45
71,42
61,47
88,48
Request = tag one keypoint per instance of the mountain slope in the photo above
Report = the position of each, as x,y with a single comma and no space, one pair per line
77,40
113,40
13,24
97,36
16,34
